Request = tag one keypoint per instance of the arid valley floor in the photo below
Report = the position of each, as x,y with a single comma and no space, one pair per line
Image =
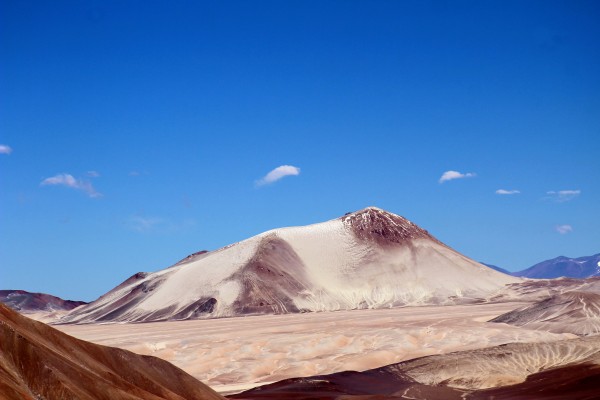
234,354
365,306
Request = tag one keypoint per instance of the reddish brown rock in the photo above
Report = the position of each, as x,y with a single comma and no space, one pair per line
373,224
24,301
39,362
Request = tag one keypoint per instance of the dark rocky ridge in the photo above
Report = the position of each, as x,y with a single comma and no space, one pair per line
24,301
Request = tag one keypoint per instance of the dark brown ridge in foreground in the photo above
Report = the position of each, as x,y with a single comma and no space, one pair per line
574,380
40,362
350,385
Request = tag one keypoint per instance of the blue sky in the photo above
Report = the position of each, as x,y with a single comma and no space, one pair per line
137,132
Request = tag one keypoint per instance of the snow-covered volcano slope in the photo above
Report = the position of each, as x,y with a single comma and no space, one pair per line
367,259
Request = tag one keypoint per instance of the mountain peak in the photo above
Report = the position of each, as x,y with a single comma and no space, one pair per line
383,227
367,259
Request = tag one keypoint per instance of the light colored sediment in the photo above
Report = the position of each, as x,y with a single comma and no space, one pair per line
571,312
234,353
500,365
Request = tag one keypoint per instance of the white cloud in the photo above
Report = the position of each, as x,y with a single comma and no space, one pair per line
69,181
4,149
450,175
143,224
504,191
563,195
564,229
93,174
278,173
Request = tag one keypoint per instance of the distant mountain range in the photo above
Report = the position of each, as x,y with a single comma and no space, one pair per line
581,267
497,268
23,301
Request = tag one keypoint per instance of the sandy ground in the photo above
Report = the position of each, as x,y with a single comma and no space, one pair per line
232,354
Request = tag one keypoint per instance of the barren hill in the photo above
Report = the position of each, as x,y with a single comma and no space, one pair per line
571,312
39,362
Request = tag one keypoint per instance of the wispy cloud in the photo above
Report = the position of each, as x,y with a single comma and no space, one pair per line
277,174
145,224
93,174
451,175
504,191
564,229
563,195
4,149
69,181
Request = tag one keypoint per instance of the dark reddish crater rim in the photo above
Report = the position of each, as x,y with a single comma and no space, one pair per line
384,228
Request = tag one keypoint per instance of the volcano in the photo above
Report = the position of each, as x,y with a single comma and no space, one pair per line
367,259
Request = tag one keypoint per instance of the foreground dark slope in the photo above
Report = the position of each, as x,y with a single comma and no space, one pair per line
39,362
565,369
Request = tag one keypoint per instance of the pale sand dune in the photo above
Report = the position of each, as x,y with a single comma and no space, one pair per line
231,354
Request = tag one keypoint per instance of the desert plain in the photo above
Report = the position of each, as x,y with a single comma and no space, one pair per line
235,354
